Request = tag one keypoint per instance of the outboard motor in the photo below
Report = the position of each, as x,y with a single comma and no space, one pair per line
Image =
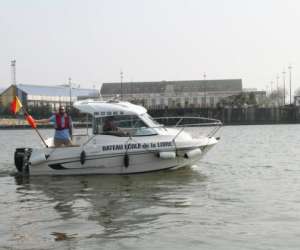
22,156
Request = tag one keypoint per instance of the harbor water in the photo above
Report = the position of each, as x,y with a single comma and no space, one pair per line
244,194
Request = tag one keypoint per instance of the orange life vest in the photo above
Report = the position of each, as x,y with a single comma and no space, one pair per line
59,126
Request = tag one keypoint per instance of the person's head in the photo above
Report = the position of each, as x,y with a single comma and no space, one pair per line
61,110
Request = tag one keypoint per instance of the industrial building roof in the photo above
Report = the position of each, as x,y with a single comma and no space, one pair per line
233,85
58,90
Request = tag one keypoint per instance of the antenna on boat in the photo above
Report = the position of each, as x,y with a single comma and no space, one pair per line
121,76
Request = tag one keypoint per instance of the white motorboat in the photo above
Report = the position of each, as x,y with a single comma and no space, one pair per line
140,143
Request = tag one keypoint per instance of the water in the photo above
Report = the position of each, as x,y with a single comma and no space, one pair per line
245,194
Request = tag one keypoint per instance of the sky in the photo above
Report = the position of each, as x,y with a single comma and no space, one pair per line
92,41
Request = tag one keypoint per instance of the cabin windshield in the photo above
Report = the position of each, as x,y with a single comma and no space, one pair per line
122,125
150,121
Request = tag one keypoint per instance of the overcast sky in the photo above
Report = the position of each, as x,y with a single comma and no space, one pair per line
149,40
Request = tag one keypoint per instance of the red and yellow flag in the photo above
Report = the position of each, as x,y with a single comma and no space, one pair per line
16,105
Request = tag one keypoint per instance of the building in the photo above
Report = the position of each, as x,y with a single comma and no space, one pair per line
259,95
8,94
40,95
297,101
173,94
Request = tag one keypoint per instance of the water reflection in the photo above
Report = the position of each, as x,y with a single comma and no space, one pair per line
120,205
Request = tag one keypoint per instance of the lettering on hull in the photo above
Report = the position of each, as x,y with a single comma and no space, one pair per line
131,146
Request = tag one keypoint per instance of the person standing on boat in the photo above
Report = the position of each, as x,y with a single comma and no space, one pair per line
63,127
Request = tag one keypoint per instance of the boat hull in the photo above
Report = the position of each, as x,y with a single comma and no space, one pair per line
74,161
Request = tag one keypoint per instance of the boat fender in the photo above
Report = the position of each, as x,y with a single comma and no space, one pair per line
126,160
167,155
193,153
82,157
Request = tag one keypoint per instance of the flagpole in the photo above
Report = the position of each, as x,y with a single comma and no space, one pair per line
35,128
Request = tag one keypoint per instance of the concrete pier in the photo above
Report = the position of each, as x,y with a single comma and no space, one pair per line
238,116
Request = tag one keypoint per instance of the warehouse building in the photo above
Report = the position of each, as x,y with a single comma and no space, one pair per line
173,94
40,95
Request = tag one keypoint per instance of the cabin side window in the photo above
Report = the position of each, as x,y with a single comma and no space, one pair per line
121,125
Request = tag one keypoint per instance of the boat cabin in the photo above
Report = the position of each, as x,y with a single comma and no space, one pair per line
119,118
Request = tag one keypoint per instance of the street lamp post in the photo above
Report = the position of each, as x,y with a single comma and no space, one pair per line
283,79
204,78
13,72
290,71
277,90
70,88
121,76
271,84
271,93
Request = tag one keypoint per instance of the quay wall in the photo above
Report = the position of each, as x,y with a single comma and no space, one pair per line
228,116
238,116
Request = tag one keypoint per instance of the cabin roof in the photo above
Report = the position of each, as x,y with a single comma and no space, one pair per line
110,108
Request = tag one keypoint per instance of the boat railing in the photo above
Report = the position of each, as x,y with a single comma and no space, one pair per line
190,121
186,122
210,125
